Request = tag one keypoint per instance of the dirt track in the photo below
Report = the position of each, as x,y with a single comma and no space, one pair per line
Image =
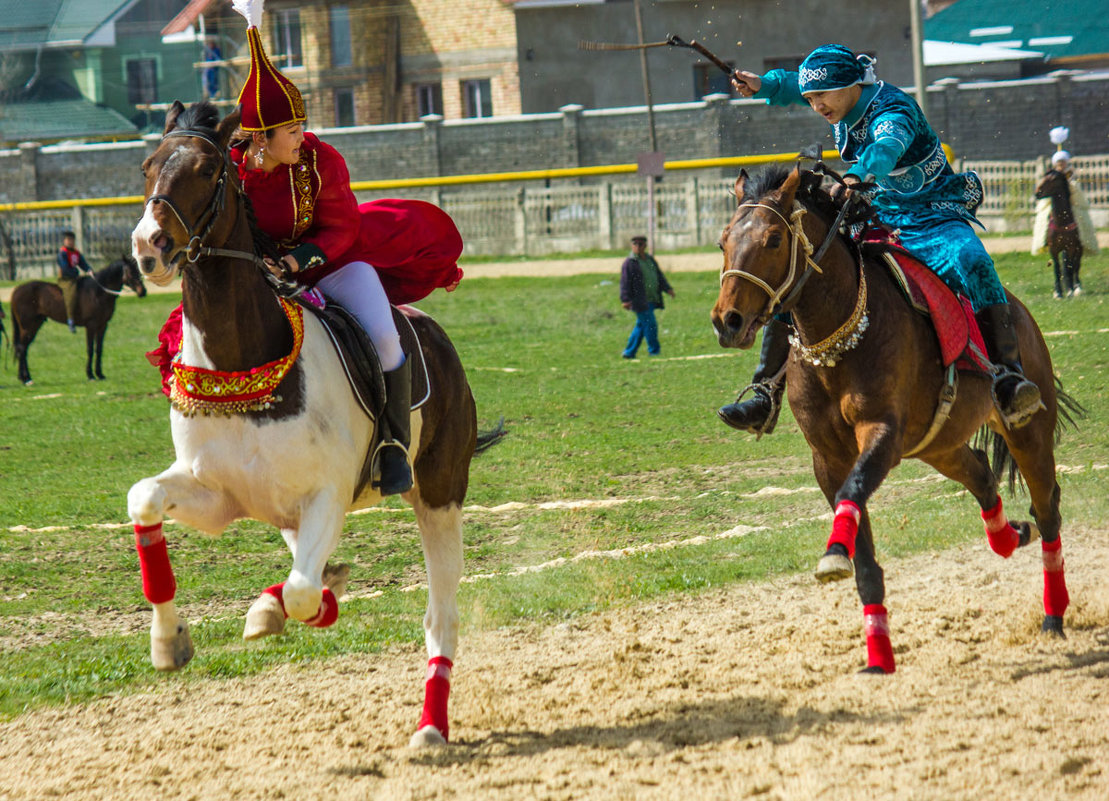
746,692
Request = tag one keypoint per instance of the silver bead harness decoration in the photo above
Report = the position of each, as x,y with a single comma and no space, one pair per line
827,352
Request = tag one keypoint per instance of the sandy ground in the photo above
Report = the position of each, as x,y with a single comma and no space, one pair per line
748,692
685,262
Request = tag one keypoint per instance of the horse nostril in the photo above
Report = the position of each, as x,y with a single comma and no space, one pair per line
147,264
733,321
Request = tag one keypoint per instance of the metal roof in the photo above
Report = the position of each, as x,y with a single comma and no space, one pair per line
57,120
1075,30
28,24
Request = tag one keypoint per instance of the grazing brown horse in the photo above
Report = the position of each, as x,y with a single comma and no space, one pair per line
863,381
34,302
294,456
1064,242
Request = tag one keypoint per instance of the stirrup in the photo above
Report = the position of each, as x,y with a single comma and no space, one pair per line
1017,414
772,391
399,482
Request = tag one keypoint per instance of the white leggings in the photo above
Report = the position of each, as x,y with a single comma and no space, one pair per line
357,288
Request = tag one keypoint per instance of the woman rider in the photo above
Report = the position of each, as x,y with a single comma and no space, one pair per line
881,132
300,190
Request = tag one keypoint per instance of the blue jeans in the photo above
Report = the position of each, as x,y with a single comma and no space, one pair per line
646,327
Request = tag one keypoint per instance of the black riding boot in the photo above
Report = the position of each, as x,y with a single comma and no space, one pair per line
1015,396
759,413
396,473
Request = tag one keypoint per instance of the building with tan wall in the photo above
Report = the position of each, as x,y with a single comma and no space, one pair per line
368,62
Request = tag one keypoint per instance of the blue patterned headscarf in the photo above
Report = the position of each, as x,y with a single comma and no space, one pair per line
833,66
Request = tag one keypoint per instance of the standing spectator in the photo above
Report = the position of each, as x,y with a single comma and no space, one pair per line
641,286
211,74
70,265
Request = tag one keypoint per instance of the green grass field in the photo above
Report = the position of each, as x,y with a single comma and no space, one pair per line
640,440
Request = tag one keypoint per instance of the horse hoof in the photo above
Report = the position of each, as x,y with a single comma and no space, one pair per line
335,578
833,567
171,653
874,670
28,383
427,737
265,617
1053,626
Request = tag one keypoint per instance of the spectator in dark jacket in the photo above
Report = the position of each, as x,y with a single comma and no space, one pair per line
641,286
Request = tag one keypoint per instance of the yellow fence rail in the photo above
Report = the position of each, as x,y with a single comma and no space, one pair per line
459,180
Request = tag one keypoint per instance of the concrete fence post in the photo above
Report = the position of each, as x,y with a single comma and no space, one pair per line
520,222
28,171
604,221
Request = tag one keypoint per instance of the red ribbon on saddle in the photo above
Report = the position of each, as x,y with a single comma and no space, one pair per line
952,315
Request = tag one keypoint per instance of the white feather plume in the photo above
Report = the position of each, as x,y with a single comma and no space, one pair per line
1058,135
251,9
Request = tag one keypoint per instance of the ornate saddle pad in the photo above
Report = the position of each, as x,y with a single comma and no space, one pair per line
359,357
951,314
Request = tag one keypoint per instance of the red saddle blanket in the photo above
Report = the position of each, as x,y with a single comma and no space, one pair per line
952,316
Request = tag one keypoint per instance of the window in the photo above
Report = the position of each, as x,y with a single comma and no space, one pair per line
142,80
709,79
477,98
344,108
286,38
339,25
429,99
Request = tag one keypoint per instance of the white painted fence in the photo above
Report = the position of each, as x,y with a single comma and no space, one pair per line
514,220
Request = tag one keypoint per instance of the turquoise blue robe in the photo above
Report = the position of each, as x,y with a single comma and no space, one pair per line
886,135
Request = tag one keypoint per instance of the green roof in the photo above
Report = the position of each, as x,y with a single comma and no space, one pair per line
56,120
1077,28
28,24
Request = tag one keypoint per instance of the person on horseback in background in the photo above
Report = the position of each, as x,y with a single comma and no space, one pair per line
299,188
881,132
1080,209
70,266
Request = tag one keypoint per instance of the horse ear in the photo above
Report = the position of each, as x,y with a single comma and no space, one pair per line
789,187
740,183
228,125
172,115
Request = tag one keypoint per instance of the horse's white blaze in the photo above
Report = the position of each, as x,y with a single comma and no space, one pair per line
150,257
441,537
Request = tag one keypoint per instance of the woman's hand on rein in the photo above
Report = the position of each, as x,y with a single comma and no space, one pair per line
284,269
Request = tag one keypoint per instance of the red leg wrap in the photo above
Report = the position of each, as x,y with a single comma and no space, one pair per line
328,612
436,692
158,584
1003,538
1056,598
879,652
845,526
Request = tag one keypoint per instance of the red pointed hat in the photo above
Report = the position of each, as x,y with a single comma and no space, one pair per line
268,98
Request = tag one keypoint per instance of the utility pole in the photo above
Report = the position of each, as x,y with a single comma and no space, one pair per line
650,164
919,78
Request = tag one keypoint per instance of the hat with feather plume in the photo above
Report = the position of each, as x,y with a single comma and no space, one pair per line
268,98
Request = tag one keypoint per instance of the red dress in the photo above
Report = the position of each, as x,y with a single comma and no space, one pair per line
413,245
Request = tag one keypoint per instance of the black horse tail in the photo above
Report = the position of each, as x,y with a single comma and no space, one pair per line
1001,459
489,438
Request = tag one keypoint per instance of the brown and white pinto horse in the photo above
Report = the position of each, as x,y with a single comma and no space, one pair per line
295,464
864,392
1064,241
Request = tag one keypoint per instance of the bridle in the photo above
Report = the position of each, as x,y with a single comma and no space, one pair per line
196,249
800,244
847,336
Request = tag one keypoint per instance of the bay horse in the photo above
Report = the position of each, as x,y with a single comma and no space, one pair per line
871,399
35,302
294,461
1064,241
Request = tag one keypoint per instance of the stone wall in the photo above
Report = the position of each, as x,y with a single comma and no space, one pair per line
1006,120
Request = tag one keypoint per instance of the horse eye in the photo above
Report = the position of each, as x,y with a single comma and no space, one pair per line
774,240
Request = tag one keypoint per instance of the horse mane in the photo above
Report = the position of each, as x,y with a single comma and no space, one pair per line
202,116
810,193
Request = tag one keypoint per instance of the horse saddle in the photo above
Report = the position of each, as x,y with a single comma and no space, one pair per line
359,357
952,317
